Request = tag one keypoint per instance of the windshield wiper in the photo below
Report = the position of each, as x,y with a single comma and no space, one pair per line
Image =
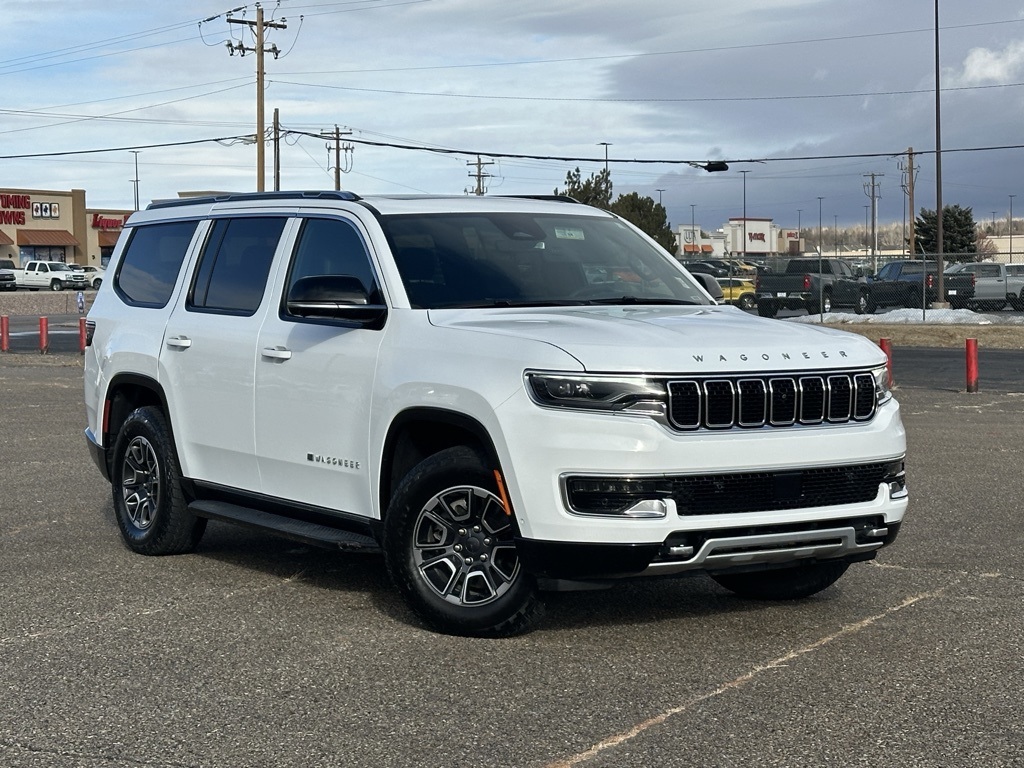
487,304
644,300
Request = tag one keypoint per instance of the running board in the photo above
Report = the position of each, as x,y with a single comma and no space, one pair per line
290,528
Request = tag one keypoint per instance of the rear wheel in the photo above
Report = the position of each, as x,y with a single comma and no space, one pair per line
767,308
747,301
792,583
450,548
146,481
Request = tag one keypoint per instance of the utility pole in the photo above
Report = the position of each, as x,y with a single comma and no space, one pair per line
871,190
908,187
277,150
338,148
258,27
480,175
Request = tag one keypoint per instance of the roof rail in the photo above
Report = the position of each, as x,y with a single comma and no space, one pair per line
244,196
553,198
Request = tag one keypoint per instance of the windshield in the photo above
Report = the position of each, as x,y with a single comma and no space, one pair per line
517,259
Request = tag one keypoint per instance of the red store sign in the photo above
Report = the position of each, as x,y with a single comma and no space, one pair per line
99,221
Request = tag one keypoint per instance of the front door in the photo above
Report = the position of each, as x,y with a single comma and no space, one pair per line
315,382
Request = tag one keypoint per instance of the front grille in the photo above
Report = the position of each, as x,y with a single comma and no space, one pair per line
777,401
736,492
771,491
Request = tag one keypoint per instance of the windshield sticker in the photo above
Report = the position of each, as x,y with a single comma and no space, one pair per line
563,233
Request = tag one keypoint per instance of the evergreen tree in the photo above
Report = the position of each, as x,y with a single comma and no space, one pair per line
639,210
959,239
648,215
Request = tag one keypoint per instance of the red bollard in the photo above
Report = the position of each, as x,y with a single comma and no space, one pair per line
44,335
886,345
972,365
5,334
81,335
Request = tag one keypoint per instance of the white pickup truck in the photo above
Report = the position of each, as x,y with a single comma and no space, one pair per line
995,285
55,275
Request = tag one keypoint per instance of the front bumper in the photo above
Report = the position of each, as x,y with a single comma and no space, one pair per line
712,551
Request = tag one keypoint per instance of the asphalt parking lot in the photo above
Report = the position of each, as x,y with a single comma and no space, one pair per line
257,652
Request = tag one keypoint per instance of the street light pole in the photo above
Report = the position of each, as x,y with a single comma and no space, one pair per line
1010,227
693,227
605,144
821,307
799,234
744,238
659,191
135,181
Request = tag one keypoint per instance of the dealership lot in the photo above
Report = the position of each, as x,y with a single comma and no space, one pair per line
256,651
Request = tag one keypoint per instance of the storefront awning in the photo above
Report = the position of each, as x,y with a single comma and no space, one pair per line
108,239
45,237
707,248
691,249
5,240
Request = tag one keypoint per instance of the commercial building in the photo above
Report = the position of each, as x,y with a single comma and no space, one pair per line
56,226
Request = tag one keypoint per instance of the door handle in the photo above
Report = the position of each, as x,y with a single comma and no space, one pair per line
277,353
179,342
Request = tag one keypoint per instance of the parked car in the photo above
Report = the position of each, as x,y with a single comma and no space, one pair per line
911,283
995,285
94,275
738,291
55,275
498,395
811,284
8,282
705,268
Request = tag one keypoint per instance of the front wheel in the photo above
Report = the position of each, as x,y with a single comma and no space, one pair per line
146,481
449,545
747,301
96,284
793,583
56,285
863,304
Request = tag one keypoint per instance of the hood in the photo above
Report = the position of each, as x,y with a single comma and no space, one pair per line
671,339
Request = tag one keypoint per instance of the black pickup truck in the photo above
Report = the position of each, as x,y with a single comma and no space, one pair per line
811,284
916,284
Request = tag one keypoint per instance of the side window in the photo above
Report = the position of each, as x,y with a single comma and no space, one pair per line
331,247
232,272
988,270
888,272
151,262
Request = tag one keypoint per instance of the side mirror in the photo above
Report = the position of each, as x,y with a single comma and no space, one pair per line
335,297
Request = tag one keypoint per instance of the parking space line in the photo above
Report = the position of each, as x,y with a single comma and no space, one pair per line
739,682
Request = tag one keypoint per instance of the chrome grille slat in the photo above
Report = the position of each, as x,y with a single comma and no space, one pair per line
750,402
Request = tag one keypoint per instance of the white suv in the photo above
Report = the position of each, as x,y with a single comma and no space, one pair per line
505,395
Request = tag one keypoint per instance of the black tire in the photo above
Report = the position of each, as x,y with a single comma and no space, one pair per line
862,304
767,308
56,285
793,583
97,283
747,301
148,501
450,549
957,304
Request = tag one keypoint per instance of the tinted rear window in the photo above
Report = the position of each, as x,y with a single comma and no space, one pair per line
152,261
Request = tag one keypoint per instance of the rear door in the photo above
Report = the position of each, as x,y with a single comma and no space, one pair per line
315,379
209,350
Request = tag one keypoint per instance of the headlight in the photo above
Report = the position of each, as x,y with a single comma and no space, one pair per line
597,393
883,393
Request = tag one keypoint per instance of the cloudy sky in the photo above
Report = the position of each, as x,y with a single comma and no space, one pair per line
809,96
